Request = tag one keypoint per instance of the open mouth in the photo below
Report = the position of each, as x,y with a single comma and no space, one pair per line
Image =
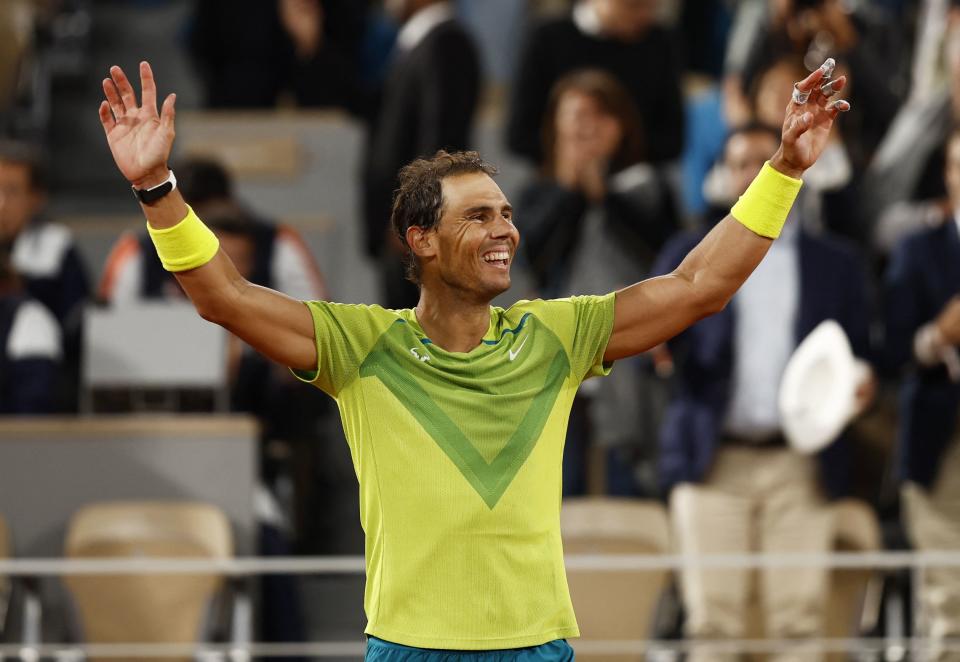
500,259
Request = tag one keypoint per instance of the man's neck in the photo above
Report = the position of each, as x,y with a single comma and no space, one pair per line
450,322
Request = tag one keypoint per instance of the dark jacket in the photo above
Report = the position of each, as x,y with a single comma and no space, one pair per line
649,68
832,286
551,217
26,384
428,103
923,274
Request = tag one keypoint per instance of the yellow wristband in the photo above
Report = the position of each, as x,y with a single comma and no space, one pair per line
187,245
766,203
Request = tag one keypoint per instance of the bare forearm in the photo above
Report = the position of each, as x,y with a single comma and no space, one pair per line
721,262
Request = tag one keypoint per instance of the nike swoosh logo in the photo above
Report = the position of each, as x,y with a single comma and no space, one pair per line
513,354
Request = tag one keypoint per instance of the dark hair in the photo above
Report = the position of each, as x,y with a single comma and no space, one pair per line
751,127
613,98
29,156
419,199
203,179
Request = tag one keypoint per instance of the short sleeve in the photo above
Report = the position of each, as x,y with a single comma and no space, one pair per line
344,334
584,324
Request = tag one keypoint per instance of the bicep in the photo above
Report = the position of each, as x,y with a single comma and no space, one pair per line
651,312
276,325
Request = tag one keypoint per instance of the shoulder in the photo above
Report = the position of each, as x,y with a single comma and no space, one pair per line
550,310
921,243
34,333
355,316
552,29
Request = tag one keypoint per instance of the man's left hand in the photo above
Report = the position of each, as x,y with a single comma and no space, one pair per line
806,126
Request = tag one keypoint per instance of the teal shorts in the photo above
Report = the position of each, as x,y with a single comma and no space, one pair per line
379,650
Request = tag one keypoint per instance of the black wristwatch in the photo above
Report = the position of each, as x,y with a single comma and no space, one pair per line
150,195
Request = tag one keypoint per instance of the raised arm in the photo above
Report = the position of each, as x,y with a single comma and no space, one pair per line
140,140
653,311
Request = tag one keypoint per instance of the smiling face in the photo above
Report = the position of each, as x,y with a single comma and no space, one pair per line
582,121
472,247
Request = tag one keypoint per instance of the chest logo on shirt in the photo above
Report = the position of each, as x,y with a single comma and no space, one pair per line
513,354
485,414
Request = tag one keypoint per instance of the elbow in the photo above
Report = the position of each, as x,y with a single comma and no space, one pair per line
706,297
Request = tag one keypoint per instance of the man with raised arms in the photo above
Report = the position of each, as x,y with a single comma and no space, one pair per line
455,411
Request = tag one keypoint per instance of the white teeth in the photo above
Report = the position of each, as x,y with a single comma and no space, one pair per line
495,257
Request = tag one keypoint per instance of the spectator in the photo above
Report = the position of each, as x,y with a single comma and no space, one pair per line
923,332
618,36
252,52
903,187
734,485
864,41
32,347
44,255
593,222
278,256
428,103
831,188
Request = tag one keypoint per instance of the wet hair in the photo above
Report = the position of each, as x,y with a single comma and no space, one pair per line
201,180
613,98
29,156
418,201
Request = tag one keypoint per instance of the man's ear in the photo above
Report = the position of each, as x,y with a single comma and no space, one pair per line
421,242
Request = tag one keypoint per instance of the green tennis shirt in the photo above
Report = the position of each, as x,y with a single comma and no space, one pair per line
458,457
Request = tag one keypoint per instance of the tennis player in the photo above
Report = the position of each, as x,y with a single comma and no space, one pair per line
456,411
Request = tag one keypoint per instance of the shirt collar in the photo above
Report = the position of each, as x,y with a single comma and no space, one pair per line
422,23
586,19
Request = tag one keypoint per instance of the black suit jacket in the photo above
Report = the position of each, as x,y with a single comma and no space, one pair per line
924,273
428,103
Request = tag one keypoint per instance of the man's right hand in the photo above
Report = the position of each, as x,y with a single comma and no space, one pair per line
948,321
140,139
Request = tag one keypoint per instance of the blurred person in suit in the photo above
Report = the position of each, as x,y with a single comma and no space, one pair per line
618,36
593,220
923,332
32,346
734,485
44,255
427,103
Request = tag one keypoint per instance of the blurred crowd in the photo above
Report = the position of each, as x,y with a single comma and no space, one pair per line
642,121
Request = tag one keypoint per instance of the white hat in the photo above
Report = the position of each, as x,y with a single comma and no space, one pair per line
818,391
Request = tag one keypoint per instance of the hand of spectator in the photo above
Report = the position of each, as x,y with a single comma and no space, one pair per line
866,391
806,126
140,139
303,21
948,321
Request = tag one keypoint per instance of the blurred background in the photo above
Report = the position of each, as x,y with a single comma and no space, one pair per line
623,130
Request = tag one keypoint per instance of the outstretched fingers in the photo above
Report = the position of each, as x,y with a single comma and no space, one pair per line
106,117
169,111
125,89
148,88
113,98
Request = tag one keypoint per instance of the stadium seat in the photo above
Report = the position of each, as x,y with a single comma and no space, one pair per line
152,346
614,605
144,608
